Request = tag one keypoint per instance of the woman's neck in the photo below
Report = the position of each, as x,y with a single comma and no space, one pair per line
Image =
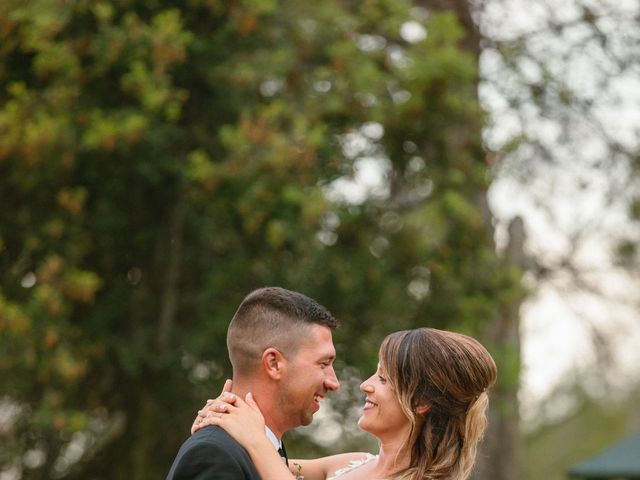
395,455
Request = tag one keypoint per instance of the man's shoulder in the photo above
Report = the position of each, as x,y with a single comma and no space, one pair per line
212,453
213,437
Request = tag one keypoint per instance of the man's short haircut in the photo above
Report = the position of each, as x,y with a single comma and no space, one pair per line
272,317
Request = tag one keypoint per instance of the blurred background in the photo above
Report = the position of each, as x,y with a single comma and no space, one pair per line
467,165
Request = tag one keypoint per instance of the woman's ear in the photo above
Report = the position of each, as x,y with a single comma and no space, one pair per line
273,362
422,409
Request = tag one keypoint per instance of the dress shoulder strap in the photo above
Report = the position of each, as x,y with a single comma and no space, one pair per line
353,464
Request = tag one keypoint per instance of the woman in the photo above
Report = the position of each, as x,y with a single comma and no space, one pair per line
426,404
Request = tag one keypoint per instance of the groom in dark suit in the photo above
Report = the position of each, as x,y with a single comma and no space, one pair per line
281,349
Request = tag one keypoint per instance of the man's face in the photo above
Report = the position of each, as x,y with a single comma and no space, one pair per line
309,376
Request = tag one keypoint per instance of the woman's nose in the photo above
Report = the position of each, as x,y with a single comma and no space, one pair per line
366,386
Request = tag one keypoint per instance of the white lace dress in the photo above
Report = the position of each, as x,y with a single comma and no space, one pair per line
352,466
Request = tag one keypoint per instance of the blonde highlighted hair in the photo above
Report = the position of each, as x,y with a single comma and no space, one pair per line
449,374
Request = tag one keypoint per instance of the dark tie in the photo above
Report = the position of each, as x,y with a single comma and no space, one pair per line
283,454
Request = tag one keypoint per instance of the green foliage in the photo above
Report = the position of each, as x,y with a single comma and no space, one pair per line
161,161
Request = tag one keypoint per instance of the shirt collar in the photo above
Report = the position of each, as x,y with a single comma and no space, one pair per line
272,437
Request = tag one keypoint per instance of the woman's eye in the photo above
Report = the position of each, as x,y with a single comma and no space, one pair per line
382,379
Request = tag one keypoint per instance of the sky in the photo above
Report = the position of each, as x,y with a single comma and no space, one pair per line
558,319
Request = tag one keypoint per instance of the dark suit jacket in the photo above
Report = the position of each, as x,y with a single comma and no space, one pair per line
212,454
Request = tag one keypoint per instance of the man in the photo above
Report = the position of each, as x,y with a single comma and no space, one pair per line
281,349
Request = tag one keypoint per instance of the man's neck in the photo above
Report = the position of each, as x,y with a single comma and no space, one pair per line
266,402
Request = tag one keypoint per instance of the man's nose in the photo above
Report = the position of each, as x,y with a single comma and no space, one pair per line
331,380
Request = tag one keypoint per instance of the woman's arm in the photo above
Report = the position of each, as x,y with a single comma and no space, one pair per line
245,423
195,426
322,468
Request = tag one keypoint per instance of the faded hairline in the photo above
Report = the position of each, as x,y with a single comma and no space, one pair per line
246,345
272,317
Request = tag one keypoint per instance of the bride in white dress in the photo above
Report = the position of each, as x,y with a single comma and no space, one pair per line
426,404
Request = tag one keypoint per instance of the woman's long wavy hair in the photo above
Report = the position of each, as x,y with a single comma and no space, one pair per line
449,373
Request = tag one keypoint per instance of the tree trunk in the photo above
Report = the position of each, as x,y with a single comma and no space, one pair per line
169,299
499,458
500,455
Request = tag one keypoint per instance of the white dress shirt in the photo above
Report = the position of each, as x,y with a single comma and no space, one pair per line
277,444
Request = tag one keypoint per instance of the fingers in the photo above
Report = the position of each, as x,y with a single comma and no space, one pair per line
197,423
229,398
224,403
194,427
215,407
251,401
227,385
226,397
210,419
226,389
219,404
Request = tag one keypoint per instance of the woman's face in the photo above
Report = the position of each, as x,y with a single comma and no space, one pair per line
382,414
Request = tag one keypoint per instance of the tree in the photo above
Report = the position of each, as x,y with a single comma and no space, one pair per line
561,88
160,161
552,84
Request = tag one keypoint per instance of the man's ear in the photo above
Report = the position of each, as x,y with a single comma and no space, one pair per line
273,363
